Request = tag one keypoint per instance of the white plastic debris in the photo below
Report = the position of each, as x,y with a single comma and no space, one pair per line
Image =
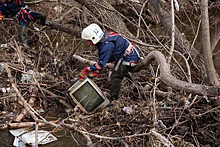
2,68
127,110
36,29
207,99
160,122
187,104
8,89
164,104
176,4
40,110
4,45
4,90
28,137
135,1
21,143
55,62
28,77
58,9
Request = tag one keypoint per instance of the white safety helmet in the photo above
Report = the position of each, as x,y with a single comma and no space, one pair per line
93,33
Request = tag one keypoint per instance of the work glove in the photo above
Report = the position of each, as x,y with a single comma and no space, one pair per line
1,16
94,74
84,73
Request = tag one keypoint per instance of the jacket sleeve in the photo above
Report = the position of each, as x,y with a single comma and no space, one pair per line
3,8
104,56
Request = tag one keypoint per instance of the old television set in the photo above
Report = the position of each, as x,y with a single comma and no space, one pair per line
87,95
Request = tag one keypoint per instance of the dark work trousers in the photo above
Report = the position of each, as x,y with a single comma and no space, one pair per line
40,17
116,79
22,35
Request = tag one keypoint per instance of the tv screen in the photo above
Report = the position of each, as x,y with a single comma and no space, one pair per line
88,97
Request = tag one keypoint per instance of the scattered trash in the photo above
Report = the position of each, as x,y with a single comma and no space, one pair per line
55,62
28,137
28,77
58,8
187,104
21,143
8,89
40,111
160,122
135,1
207,99
3,90
87,95
36,29
4,45
2,68
127,110
164,104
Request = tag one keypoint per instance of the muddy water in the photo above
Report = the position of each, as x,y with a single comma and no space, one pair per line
65,140
6,139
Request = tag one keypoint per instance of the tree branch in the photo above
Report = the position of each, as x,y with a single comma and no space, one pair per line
170,80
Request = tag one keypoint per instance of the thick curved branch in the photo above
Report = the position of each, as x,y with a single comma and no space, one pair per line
170,80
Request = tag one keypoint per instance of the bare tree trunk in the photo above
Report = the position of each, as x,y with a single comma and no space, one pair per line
210,69
62,28
33,91
106,14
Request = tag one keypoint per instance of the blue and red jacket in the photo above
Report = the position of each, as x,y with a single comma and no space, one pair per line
112,48
16,6
13,7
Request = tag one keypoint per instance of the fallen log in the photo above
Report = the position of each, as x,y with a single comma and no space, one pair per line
62,28
23,125
86,61
31,102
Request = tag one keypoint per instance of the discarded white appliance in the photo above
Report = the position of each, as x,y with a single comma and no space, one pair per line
87,95
28,137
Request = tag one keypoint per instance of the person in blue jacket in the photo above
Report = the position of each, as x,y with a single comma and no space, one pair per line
18,9
112,47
